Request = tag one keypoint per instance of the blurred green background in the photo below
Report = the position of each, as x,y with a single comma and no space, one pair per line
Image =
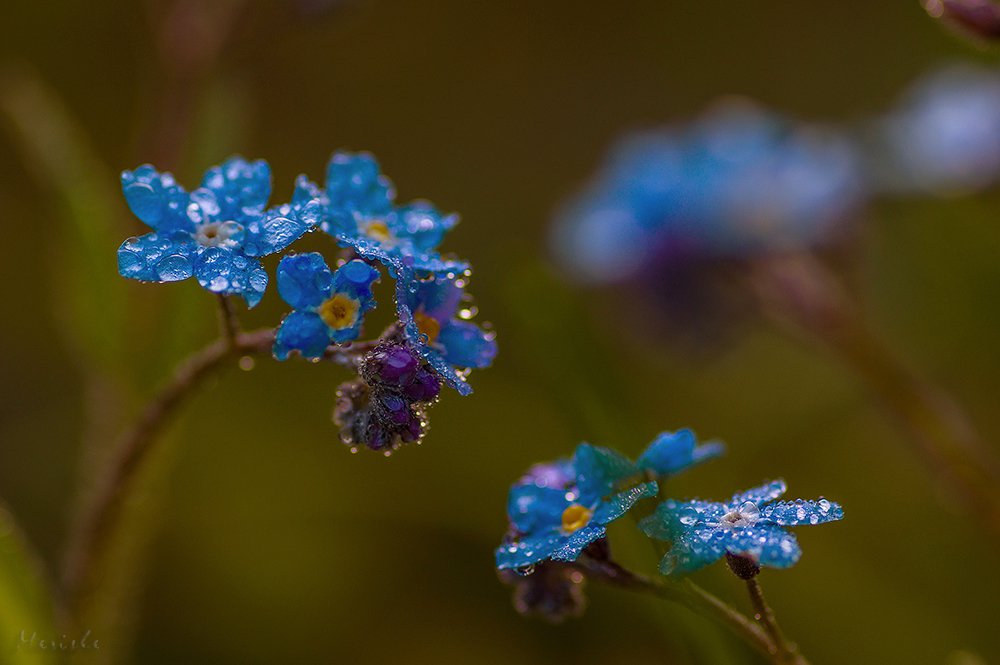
261,539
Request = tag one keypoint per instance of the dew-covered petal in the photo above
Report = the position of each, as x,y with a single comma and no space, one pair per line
694,550
672,452
278,228
304,280
599,470
559,474
221,270
673,518
241,188
423,225
570,548
305,191
532,508
619,504
355,278
760,495
467,345
304,332
156,199
157,257
767,544
800,511
527,551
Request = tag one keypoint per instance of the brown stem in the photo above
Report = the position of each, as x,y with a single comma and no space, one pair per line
228,322
801,294
99,516
786,652
688,594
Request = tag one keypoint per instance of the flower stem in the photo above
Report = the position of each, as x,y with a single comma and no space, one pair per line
228,321
691,596
786,652
100,514
802,295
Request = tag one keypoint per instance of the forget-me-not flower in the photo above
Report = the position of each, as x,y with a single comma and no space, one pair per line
329,306
751,525
436,317
216,233
360,212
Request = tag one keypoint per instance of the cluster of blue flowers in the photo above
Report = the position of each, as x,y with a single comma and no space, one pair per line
740,182
219,232
559,513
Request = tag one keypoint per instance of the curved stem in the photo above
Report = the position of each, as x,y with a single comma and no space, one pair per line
100,514
691,596
802,295
228,321
787,653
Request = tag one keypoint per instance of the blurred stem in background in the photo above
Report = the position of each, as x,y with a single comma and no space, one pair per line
802,296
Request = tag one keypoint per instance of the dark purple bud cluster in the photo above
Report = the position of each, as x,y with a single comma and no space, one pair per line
386,406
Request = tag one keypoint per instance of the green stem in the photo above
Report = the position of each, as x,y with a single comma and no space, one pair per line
803,296
786,652
691,596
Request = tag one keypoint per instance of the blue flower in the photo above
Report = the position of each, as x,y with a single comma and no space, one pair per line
673,452
557,512
215,233
946,133
329,307
360,212
436,317
750,525
738,182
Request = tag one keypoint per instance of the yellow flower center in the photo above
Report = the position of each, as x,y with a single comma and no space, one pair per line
427,325
378,230
339,311
575,518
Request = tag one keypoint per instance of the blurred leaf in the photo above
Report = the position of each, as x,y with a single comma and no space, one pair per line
89,294
25,606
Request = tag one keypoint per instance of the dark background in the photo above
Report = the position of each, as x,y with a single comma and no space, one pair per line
262,539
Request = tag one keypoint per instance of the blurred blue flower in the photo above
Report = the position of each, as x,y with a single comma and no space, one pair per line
360,212
329,307
945,134
673,452
215,233
750,525
435,314
738,182
558,510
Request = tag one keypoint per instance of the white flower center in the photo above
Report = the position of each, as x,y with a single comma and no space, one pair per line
744,515
220,234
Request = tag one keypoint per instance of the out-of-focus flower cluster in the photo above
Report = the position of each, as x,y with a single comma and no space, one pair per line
559,514
741,183
218,233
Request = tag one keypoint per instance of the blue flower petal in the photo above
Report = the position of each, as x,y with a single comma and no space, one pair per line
422,224
696,549
467,345
599,470
240,188
355,278
767,544
304,280
528,551
759,495
571,546
278,228
355,185
619,504
226,271
672,518
304,332
672,452
800,512
157,257
156,199
532,508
